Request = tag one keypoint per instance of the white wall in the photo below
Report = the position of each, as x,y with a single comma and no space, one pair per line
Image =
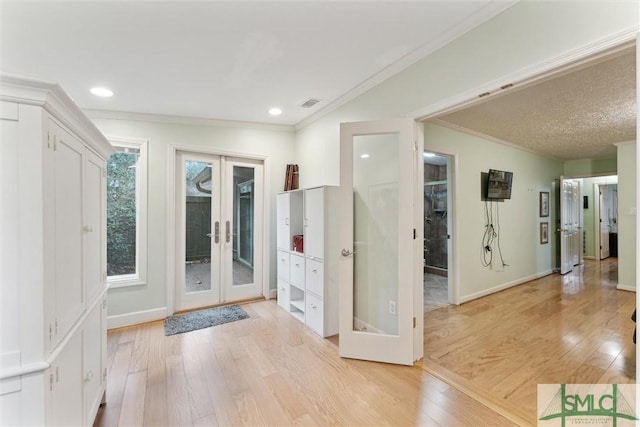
627,181
525,35
277,145
523,38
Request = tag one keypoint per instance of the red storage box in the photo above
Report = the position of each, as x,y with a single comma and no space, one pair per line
298,243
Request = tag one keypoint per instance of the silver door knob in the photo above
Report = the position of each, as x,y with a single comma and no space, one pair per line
346,252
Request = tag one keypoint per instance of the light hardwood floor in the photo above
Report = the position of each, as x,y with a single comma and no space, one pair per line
271,370
268,370
575,329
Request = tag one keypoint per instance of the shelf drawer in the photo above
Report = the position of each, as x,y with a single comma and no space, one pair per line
283,265
297,271
314,313
284,295
315,277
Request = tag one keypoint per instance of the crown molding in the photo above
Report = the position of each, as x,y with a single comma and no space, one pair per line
161,118
530,75
622,143
58,103
487,12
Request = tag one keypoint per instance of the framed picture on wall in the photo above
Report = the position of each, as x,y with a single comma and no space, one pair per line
544,233
544,203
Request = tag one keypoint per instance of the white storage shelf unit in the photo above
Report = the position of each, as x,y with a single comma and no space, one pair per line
307,276
53,257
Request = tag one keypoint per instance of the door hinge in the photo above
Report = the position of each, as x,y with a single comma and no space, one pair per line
56,328
415,234
55,143
104,375
414,323
104,173
57,374
104,303
48,139
50,331
50,382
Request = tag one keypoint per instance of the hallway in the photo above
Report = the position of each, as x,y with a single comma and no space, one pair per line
575,329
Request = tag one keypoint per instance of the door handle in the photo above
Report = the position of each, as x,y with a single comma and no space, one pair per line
217,232
228,231
347,252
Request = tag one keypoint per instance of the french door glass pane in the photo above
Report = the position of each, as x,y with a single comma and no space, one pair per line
243,219
376,174
198,178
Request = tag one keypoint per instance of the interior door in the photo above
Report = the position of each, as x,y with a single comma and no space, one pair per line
570,225
377,272
604,222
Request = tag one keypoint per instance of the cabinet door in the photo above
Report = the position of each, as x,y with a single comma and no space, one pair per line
65,379
283,221
314,220
94,222
92,362
67,213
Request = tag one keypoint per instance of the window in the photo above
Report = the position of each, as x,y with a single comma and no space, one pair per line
127,213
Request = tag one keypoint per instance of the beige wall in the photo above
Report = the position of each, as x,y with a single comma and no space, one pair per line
627,181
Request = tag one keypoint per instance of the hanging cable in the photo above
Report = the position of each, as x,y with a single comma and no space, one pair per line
491,237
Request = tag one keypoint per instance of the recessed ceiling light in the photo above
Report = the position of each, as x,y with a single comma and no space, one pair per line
275,111
428,154
101,91
364,156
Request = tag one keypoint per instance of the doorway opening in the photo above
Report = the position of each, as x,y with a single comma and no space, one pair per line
436,251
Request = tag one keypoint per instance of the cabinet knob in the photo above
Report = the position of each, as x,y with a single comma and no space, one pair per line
89,377
314,270
87,229
313,306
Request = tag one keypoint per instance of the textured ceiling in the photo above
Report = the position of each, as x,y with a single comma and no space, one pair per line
577,115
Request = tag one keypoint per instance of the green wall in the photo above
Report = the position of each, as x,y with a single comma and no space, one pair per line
627,181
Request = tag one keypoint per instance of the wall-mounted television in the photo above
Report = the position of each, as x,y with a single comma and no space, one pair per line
499,184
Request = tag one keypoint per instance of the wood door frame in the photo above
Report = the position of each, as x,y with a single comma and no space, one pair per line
172,151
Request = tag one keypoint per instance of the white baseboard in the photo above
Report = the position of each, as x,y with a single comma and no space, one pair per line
504,286
273,294
361,325
137,317
588,257
626,288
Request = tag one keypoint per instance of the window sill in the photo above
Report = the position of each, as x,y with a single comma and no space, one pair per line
125,281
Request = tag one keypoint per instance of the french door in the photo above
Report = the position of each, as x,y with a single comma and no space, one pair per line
380,245
219,206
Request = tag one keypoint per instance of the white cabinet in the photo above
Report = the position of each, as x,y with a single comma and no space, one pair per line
52,257
307,282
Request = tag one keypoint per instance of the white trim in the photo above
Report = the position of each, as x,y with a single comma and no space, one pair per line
626,288
487,12
172,150
530,75
620,144
136,317
504,286
589,257
23,370
181,120
58,103
142,219
272,294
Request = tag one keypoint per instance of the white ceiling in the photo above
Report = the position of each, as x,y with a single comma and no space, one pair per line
578,114
225,60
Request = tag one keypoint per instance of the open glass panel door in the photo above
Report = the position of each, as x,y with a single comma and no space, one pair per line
570,225
377,274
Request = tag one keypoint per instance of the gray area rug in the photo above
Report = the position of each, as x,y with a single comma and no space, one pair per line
203,319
